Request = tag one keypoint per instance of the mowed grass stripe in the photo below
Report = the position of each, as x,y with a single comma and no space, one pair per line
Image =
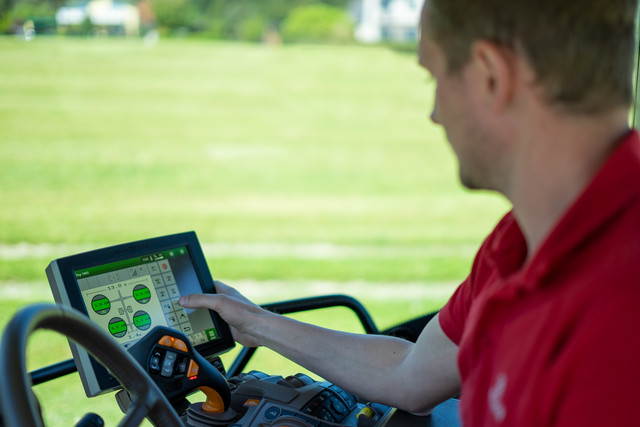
260,250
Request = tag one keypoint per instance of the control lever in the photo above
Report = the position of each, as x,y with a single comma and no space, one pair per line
174,365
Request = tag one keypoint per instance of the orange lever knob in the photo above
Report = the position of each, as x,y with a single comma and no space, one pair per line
214,403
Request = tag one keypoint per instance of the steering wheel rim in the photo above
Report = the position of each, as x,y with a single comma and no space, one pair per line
17,401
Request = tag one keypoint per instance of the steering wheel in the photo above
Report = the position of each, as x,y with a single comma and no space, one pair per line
18,403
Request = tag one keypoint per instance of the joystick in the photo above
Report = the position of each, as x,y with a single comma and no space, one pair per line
174,365
198,417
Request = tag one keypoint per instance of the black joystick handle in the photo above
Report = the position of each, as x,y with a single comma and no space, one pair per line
172,362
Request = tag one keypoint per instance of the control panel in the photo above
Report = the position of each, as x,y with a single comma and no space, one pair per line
249,399
259,399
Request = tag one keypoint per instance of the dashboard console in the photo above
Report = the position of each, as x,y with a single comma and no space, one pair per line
296,401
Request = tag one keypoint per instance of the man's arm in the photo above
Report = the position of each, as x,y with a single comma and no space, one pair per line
413,377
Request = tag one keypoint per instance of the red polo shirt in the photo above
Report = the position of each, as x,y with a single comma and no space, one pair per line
556,342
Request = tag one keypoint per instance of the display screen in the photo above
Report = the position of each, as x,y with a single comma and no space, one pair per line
131,288
128,298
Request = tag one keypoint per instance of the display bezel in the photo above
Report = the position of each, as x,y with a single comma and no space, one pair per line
66,290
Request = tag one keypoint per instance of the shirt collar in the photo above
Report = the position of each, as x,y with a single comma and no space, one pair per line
614,186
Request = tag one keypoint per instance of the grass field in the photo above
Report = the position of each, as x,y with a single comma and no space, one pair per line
304,170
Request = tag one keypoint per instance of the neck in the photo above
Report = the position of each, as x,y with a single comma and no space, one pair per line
556,159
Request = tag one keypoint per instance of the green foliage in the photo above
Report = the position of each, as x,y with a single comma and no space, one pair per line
5,7
86,28
29,9
252,28
238,20
248,20
172,15
6,22
317,23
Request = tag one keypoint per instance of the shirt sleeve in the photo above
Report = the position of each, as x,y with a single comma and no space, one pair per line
453,315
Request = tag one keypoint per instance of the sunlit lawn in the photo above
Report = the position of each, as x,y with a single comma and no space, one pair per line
303,170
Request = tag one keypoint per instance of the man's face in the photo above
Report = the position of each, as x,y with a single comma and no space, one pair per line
459,111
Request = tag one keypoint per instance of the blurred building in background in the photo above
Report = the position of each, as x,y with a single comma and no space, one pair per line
386,20
104,16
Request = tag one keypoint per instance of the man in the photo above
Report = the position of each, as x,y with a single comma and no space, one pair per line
534,97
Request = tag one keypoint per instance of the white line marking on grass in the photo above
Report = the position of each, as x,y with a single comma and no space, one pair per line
26,291
333,251
234,151
40,250
319,250
265,291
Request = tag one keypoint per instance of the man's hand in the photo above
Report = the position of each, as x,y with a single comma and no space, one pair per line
242,315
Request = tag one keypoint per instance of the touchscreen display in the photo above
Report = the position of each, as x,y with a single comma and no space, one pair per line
130,288
128,298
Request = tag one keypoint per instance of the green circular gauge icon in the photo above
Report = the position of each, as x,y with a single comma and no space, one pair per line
100,304
117,327
142,294
142,320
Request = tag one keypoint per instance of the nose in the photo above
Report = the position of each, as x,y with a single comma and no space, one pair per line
434,112
434,116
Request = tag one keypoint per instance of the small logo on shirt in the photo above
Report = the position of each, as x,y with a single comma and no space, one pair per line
496,394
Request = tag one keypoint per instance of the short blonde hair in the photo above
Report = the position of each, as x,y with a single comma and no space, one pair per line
582,51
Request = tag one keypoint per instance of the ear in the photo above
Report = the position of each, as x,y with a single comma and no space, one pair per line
494,68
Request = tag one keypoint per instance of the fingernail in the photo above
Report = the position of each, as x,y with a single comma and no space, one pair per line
183,300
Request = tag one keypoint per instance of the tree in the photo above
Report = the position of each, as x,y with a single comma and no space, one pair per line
244,19
317,23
